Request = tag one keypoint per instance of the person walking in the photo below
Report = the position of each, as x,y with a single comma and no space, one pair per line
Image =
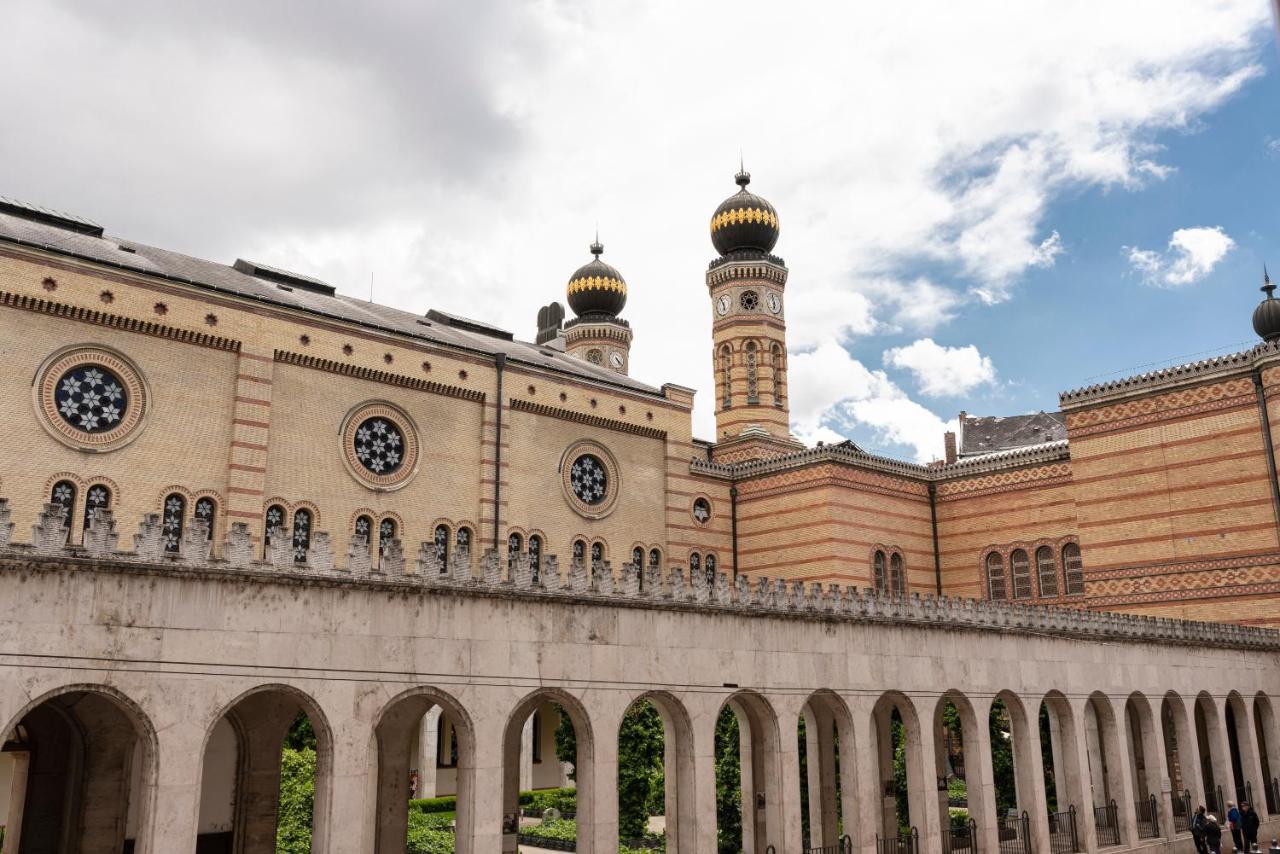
1233,822
1197,830
1249,823
1212,835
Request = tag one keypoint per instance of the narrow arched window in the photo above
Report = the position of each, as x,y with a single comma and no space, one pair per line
515,545
64,495
655,557
463,540
778,368
637,556
440,539
579,551
386,533
1020,569
897,577
753,373
301,534
1073,567
711,569
996,589
175,511
207,511
695,563
1047,571
726,376
597,553
364,528
535,557
272,526
878,567
97,498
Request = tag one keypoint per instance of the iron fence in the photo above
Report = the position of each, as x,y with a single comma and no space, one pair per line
844,846
909,844
1106,820
1148,815
1273,795
1014,834
1182,812
1213,801
1063,837
961,839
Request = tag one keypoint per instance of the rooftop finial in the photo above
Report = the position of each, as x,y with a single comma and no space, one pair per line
743,177
1267,287
597,249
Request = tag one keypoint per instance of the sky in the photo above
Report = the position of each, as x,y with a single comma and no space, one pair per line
981,204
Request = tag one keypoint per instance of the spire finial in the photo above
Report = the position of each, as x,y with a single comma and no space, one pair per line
597,249
1267,287
743,178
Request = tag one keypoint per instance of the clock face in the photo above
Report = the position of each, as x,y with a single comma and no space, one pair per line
722,305
615,359
774,302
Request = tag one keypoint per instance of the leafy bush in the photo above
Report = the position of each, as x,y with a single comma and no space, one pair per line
959,816
560,828
426,837
564,800
426,805
297,800
728,784
640,768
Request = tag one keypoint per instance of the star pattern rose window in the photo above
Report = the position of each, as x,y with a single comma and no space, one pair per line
589,480
91,399
379,446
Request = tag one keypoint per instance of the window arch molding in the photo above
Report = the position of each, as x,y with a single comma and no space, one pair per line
888,569
357,445
639,550
132,389
112,496
1033,548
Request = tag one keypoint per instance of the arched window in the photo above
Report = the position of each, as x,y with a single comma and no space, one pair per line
364,528
695,563
441,541
464,540
753,373
637,556
710,562
386,533
514,546
579,551
655,557
878,572
64,495
597,553
1020,569
1047,571
897,578
301,534
98,496
776,353
1073,567
535,556
175,511
996,589
207,511
273,521
726,376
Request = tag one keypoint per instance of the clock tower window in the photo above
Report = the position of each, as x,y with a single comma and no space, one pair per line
778,368
726,368
753,373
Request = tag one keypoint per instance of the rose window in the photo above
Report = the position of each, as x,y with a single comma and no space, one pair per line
379,446
749,300
91,398
589,480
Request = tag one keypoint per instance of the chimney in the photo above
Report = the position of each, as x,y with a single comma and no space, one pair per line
949,439
550,322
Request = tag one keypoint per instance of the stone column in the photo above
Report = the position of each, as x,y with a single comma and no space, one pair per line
429,752
605,716
1078,759
1246,735
980,777
813,775
868,818
527,736
1159,775
1055,752
823,757
1119,768
1265,721
922,784
111,748
175,810
17,798
704,710
1219,751
747,778
887,825
1029,759
1184,726
264,720
788,838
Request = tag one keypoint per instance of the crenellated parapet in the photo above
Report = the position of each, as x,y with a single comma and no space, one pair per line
630,585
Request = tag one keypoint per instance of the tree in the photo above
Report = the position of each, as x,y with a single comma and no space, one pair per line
297,800
728,784
1002,757
640,768
566,741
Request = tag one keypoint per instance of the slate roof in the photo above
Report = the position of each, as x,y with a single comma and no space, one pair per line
21,224
991,433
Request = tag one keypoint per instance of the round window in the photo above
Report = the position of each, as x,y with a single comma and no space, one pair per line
379,446
91,398
701,510
589,480
749,300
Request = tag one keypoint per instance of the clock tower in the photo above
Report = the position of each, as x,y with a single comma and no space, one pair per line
747,287
597,293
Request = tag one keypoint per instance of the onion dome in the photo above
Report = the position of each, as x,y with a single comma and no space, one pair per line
597,288
1266,317
744,221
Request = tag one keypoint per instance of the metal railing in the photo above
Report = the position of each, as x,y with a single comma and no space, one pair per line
1063,836
1148,815
1244,793
1213,801
1273,795
1106,820
909,844
961,839
844,846
1014,833
1182,812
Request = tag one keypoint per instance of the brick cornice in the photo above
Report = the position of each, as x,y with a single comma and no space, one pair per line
332,367
583,418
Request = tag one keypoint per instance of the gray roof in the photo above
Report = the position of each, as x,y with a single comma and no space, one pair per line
20,224
991,433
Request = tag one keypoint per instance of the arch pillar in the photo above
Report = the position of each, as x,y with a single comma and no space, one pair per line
488,787
1219,747
922,786
1246,737
980,776
1184,729
788,709
1029,761
1078,761
704,710
264,721
604,709
1160,774
176,809
868,813
1112,733
1265,725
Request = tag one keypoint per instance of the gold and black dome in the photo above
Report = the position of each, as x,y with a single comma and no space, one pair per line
1266,317
596,287
744,221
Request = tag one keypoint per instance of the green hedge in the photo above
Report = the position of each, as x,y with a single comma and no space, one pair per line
561,828
564,800
426,837
425,805
297,795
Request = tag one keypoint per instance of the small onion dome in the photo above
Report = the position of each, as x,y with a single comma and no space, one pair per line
744,221
1266,317
597,288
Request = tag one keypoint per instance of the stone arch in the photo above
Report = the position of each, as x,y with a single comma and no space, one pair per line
1028,784
678,774
1147,773
1241,748
831,781
1070,776
103,740
393,728
1268,741
584,765
759,748
918,781
1106,767
947,754
260,718
1215,764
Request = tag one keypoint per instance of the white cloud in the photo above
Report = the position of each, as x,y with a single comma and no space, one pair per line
463,153
942,371
1191,255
